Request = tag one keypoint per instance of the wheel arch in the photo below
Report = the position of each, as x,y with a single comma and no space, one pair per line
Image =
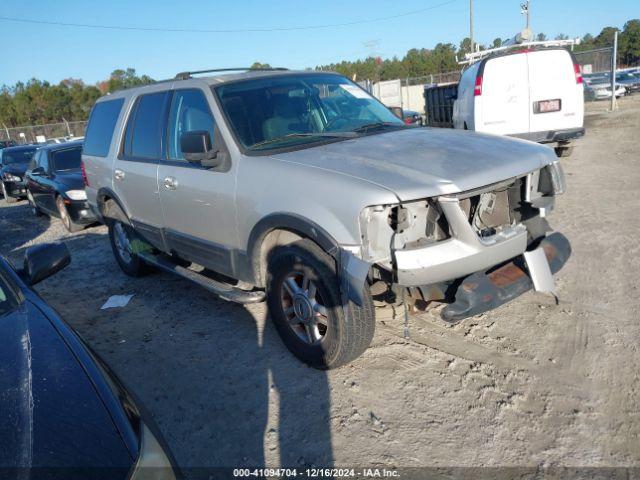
109,206
282,229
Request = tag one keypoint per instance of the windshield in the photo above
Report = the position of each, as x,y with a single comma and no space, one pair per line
65,160
269,113
17,156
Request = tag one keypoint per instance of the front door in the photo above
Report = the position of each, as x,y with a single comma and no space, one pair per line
41,186
135,173
197,203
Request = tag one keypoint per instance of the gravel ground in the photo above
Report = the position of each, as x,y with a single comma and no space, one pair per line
530,384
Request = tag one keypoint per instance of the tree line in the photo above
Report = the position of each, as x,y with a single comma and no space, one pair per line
444,56
38,102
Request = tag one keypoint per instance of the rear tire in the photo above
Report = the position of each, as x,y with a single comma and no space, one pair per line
303,295
120,237
65,218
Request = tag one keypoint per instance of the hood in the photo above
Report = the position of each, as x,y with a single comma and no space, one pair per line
417,163
72,179
51,413
16,169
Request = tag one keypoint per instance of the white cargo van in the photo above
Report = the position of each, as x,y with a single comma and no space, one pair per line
530,92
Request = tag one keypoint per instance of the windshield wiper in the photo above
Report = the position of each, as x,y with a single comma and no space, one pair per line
298,135
372,126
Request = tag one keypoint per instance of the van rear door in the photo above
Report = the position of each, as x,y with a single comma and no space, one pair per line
502,107
556,97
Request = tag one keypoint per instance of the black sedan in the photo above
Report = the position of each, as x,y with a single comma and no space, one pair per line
64,414
55,187
13,165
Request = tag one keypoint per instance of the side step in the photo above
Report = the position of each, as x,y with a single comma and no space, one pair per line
223,290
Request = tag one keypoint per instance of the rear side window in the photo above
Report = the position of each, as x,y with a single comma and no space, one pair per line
143,138
65,160
100,129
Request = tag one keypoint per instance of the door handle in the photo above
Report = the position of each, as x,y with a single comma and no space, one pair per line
118,174
170,183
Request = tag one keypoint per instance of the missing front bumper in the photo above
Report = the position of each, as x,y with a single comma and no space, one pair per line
481,291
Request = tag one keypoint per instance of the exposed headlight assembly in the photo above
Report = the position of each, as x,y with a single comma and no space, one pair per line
76,194
8,177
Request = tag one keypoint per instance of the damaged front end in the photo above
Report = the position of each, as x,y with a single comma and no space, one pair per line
440,247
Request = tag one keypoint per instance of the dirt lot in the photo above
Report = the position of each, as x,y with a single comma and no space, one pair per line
530,384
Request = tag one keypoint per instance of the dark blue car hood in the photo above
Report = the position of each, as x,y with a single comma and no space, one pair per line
15,168
51,414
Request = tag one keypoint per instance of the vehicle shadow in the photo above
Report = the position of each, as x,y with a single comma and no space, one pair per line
215,376
18,227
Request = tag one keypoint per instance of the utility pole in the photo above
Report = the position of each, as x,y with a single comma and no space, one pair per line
471,25
614,67
526,10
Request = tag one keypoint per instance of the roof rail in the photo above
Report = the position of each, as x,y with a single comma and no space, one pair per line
186,75
479,55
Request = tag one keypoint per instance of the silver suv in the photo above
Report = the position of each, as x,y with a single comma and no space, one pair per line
301,189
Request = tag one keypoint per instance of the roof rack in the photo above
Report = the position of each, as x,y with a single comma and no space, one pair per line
475,56
187,75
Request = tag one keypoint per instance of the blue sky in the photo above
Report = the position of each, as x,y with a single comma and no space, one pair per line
52,53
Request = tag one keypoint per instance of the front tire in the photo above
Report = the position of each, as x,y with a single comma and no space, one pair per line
66,219
121,237
35,211
7,197
303,295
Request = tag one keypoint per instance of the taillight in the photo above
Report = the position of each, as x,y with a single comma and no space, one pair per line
85,180
407,121
478,89
576,69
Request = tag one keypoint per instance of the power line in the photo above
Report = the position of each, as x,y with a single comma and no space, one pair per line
239,30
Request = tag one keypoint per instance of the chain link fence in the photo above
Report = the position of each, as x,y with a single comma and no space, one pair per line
436,78
41,133
595,61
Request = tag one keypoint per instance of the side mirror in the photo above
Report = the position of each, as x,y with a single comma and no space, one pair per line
398,112
38,171
44,260
197,148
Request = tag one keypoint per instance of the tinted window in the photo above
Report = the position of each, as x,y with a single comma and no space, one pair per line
43,160
67,159
143,133
100,129
189,112
17,156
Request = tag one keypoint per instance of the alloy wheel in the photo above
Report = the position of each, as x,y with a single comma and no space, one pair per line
304,308
123,244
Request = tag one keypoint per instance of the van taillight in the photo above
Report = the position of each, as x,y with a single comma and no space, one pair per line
576,69
84,174
478,89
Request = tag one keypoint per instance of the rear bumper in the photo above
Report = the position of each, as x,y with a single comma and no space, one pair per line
15,189
481,292
80,212
552,136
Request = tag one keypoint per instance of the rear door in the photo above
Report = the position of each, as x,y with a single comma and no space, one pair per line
135,173
557,99
42,186
198,203
503,106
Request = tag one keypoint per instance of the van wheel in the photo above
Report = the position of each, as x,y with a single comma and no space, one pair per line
66,219
563,151
121,237
304,300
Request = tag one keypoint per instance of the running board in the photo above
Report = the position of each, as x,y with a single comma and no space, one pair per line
223,290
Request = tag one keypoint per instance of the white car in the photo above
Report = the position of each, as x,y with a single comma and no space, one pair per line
531,92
